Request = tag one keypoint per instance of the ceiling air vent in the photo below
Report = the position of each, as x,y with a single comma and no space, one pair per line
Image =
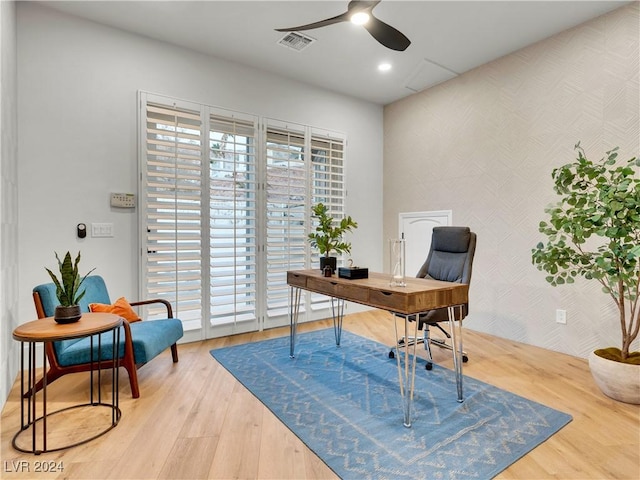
296,41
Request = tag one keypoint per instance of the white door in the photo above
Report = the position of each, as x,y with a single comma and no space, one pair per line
416,228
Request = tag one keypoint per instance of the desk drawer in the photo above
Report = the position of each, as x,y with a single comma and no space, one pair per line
296,280
388,300
322,285
353,293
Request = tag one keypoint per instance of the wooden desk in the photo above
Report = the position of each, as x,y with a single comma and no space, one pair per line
418,296
47,330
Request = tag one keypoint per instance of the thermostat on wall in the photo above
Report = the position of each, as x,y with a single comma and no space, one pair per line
123,200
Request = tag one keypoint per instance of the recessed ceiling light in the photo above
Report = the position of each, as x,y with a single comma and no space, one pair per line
360,18
384,67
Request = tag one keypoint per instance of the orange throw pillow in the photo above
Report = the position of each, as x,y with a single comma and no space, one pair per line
121,307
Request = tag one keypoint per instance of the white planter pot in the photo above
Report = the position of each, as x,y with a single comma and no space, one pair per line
620,381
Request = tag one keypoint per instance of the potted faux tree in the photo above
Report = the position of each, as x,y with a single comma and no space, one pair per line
328,237
68,289
594,232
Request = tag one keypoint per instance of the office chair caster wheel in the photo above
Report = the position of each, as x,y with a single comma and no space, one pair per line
465,359
429,366
392,354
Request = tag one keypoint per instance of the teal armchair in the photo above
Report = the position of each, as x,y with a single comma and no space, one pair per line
140,341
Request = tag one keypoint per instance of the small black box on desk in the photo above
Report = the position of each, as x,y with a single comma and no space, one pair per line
353,273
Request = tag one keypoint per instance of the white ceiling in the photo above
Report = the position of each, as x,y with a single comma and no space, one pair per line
448,37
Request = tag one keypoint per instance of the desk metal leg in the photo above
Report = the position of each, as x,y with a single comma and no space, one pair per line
294,311
337,311
456,340
406,366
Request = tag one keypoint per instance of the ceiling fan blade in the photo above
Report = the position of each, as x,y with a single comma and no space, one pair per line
361,5
322,23
387,35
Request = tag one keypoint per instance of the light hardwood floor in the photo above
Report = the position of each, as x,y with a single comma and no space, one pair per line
194,420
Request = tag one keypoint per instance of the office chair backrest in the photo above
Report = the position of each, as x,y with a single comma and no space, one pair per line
450,259
451,255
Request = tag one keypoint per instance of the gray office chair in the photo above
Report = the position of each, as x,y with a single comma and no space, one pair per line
450,259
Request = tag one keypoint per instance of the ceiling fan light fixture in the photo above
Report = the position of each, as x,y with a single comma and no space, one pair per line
361,12
360,18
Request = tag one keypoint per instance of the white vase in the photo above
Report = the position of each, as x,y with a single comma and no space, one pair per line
620,381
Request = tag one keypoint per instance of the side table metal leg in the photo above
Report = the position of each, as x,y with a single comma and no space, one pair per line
99,368
23,394
32,399
44,401
91,369
115,356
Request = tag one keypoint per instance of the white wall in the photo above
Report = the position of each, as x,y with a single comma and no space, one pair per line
484,145
77,120
8,199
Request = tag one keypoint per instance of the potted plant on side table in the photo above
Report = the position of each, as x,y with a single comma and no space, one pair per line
594,232
328,237
67,289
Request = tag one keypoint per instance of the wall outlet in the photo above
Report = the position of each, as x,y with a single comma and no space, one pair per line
561,317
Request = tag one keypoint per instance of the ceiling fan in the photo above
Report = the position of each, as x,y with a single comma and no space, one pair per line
361,13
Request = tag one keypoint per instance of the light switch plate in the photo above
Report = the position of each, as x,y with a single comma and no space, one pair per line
102,230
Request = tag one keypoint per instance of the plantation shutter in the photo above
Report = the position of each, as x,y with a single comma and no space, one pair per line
327,187
327,173
286,206
233,219
173,192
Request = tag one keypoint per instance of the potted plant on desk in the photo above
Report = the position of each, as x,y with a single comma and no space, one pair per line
328,237
594,232
68,289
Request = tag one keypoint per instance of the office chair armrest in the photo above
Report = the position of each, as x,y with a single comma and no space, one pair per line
155,300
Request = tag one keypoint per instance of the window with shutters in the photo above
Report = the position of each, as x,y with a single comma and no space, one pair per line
286,207
233,207
173,209
226,211
327,186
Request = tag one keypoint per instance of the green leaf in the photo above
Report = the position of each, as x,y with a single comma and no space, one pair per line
69,283
593,231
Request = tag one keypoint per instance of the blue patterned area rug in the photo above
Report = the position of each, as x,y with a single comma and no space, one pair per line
344,403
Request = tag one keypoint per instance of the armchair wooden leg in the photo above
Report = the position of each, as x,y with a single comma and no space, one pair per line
174,353
130,366
129,363
133,378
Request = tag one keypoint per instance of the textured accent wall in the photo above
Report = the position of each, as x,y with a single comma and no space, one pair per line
484,145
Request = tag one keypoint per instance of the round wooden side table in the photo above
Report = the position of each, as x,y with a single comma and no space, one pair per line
47,330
